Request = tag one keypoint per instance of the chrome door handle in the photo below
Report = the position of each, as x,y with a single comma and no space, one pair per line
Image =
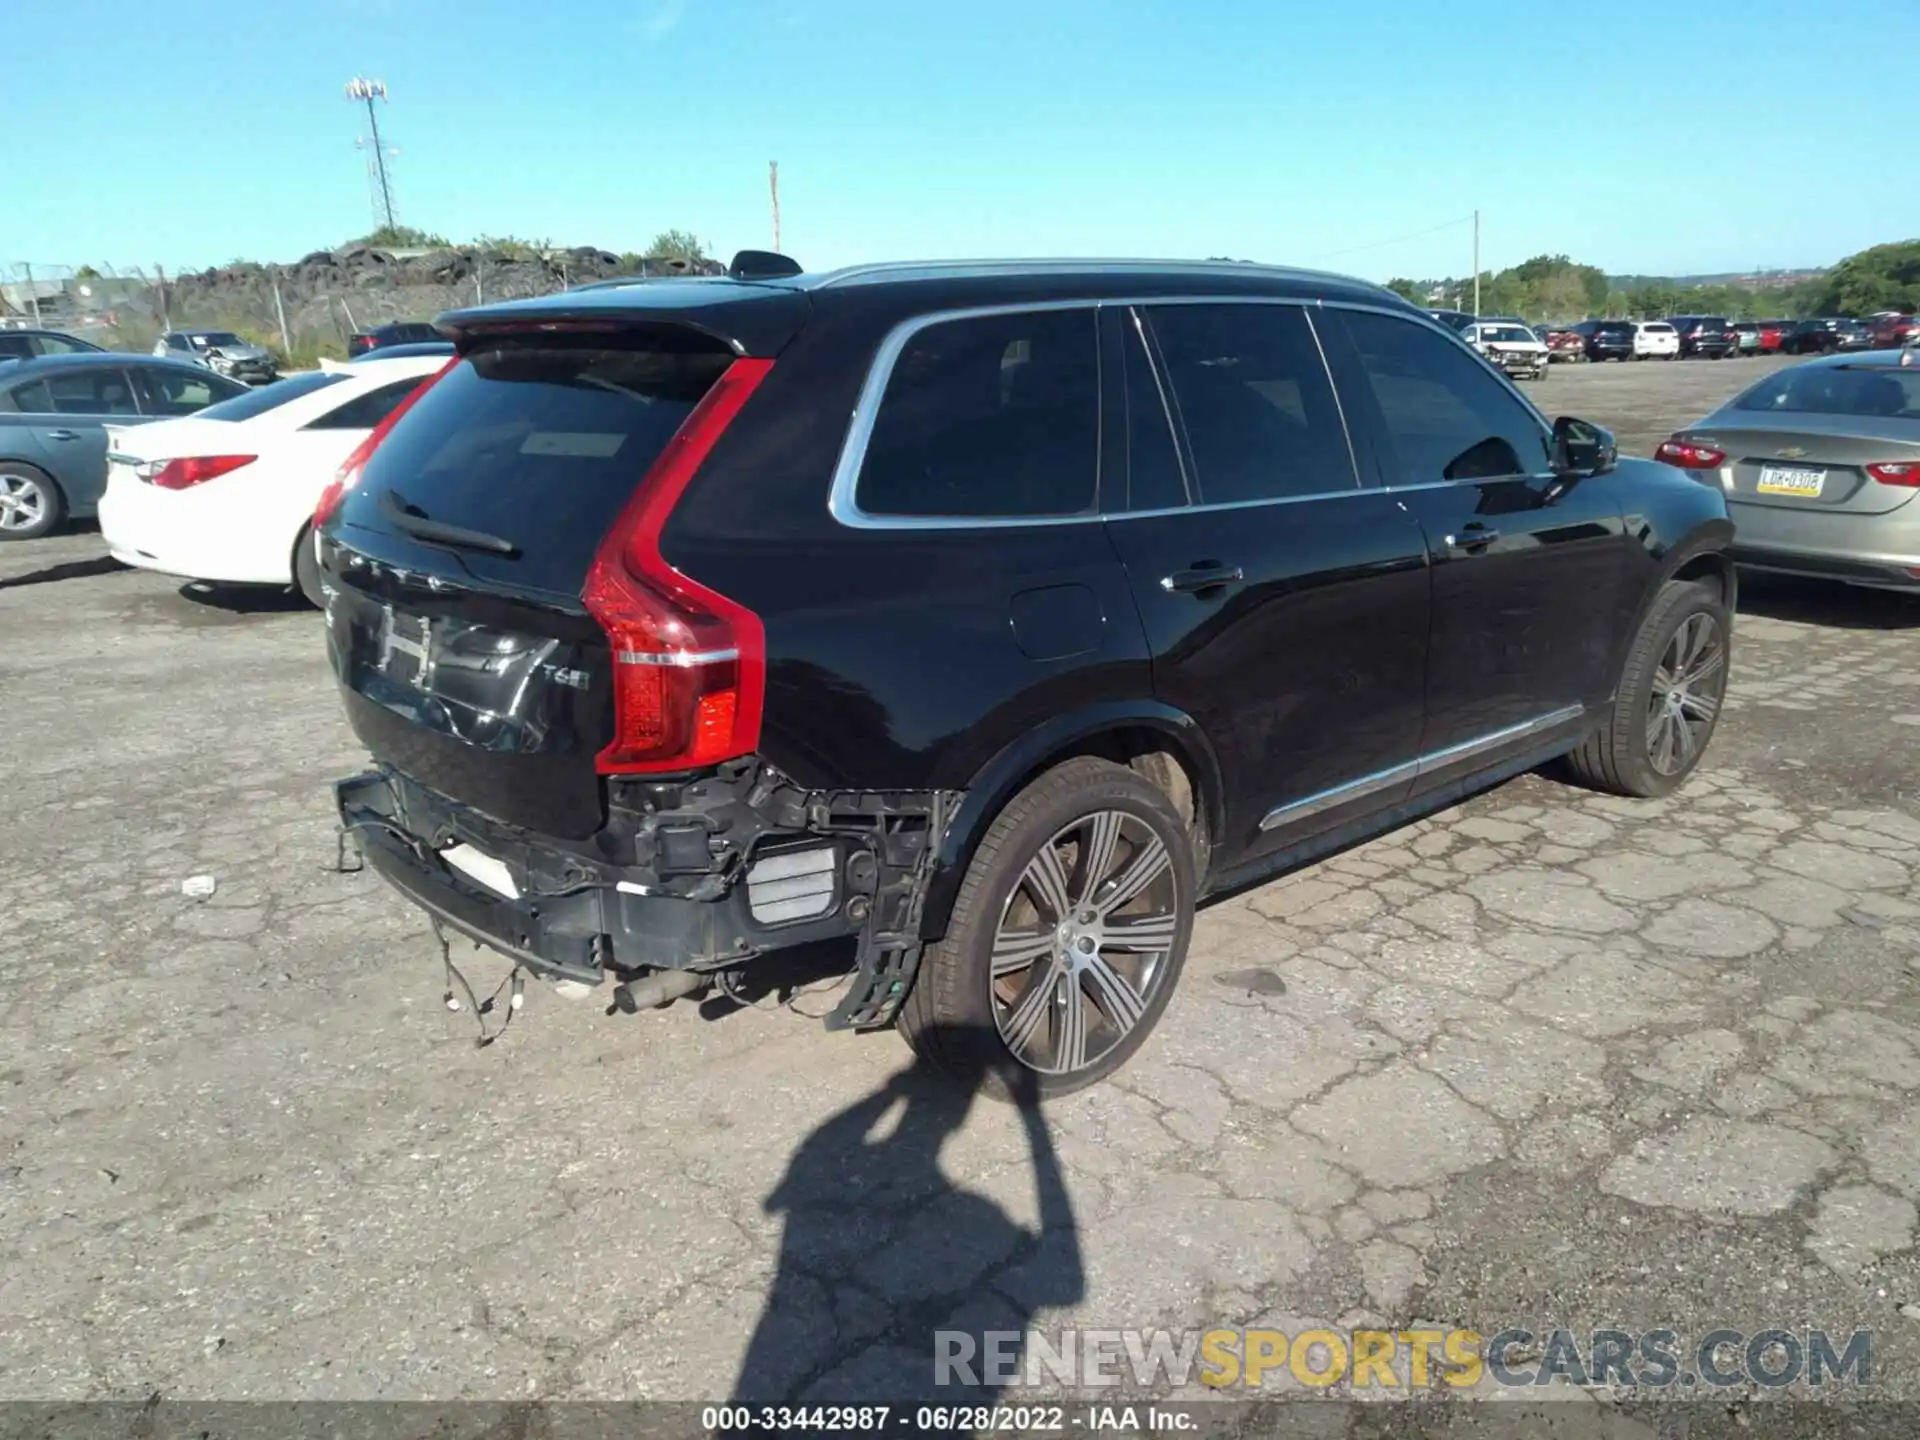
63,435
1472,539
1207,575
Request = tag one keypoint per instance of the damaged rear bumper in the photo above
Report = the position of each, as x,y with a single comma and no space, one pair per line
694,876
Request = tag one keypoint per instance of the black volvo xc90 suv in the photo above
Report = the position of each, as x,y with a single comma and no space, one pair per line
992,615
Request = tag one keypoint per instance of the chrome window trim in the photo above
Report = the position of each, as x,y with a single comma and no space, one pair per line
853,449
1413,769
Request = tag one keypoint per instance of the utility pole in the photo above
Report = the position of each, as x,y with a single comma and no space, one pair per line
1476,264
773,187
368,91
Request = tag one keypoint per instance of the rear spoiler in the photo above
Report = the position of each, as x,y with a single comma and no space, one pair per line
752,319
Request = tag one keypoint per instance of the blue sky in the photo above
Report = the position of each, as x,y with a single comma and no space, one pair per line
1683,136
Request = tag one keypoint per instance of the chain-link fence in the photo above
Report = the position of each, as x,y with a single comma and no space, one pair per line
302,311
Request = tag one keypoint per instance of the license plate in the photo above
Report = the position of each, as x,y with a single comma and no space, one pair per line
1786,480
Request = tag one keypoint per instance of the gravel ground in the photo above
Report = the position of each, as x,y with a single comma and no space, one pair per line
1545,1059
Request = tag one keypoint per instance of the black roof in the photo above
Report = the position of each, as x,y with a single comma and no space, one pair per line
758,316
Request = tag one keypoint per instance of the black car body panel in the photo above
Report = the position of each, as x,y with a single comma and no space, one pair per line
1607,339
1400,620
1711,336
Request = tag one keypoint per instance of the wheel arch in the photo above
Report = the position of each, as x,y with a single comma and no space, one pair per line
1162,743
1703,553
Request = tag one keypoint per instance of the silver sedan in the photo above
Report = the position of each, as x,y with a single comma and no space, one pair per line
1821,466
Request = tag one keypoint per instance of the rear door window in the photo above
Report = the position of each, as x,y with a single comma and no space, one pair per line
540,440
167,391
1446,415
992,417
1252,395
92,391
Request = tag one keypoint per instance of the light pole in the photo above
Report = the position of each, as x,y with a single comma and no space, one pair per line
369,91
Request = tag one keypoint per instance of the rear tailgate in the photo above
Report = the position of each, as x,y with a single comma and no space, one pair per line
458,633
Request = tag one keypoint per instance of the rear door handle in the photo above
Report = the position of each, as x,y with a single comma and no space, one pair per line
1472,539
63,435
1205,575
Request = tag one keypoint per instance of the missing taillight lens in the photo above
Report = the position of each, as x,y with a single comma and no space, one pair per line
184,474
1897,472
689,665
348,475
1689,456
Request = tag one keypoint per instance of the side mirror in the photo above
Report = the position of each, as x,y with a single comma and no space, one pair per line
1582,448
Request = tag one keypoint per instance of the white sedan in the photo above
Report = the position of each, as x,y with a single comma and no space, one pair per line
226,495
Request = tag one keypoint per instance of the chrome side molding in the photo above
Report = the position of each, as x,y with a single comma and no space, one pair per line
1413,769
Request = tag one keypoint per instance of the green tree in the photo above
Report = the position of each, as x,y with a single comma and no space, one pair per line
1885,277
86,272
1411,290
676,245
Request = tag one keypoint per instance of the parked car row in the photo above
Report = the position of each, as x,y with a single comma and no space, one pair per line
1711,337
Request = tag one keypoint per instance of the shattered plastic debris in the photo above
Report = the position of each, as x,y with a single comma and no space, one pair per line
198,887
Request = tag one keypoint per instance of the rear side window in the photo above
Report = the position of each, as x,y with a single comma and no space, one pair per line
363,412
1446,415
16,347
183,392
992,417
91,392
270,397
1252,394
540,440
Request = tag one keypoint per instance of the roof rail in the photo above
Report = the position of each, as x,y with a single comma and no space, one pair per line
763,265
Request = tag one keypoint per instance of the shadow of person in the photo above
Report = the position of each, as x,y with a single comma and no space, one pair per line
896,1284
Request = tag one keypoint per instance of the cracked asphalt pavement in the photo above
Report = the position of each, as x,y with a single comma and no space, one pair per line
1544,1059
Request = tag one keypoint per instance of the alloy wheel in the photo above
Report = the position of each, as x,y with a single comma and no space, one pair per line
1688,685
1083,941
23,504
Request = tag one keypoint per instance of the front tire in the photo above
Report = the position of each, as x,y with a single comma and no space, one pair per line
1669,699
31,505
1066,939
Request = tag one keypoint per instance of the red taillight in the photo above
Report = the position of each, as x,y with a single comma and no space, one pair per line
1897,472
184,474
1689,456
689,665
348,475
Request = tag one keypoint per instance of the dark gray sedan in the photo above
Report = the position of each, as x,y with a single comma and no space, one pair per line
54,414
1821,466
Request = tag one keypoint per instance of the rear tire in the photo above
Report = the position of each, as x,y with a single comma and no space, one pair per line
1669,698
306,570
31,505
1084,832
